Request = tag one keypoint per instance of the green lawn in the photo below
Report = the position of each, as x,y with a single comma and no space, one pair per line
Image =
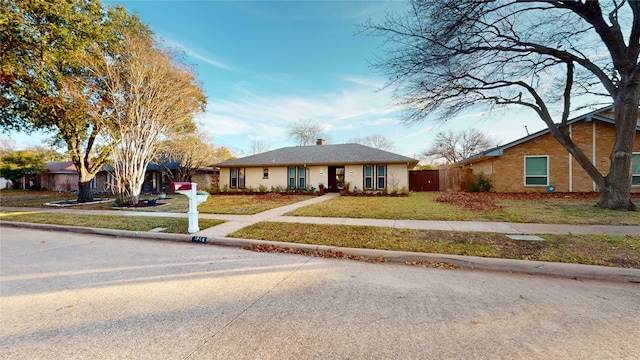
607,250
133,223
247,204
421,206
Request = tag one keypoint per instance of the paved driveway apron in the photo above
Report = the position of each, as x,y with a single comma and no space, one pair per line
66,295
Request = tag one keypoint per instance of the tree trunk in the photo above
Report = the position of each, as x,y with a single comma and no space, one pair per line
85,194
616,193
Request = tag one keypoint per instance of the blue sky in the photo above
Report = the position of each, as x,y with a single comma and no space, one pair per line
265,64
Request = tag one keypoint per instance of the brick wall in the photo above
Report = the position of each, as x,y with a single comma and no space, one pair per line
507,171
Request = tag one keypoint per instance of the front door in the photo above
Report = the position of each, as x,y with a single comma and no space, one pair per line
336,178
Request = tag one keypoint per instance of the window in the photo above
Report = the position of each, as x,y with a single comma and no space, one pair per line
368,176
265,173
292,178
233,183
236,180
635,169
381,178
301,178
536,170
241,184
297,176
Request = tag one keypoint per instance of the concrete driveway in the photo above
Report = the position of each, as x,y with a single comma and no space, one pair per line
79,296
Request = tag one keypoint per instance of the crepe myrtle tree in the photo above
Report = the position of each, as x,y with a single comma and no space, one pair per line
446,56
153,95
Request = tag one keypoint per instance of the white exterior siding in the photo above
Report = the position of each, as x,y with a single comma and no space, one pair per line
224,178
317,175
353,175
397,176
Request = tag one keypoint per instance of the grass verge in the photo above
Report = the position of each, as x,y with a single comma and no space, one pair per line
606,250
133,223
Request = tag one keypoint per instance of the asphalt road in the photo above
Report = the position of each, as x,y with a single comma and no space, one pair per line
79,296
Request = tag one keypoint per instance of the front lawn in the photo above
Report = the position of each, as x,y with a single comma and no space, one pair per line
247,204
215,204
607,250
552,209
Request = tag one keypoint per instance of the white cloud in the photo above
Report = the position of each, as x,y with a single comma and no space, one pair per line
345,113
197,55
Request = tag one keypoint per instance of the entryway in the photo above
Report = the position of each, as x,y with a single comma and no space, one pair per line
336,178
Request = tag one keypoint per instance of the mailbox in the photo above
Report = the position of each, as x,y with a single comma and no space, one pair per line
175,186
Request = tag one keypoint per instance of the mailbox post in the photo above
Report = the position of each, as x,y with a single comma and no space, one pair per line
189,190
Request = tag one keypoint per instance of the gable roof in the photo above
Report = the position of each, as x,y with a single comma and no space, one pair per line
338,154
600,115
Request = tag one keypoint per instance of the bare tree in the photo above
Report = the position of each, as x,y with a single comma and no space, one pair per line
445,56
305,132
182,155
7,145
377,141
454,146
153,95
259,146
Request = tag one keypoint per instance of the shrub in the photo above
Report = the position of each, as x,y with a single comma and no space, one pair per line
262,189
480,184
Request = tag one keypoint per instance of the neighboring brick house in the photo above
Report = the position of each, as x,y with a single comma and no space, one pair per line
303,167
62,176
155,180
538,162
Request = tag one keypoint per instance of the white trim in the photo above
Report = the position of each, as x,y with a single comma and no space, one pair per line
570,173
524,170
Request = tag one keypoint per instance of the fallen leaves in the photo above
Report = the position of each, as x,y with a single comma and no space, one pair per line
342,255
487,202
469,201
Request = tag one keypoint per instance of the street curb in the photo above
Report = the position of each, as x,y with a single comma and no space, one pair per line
573,271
